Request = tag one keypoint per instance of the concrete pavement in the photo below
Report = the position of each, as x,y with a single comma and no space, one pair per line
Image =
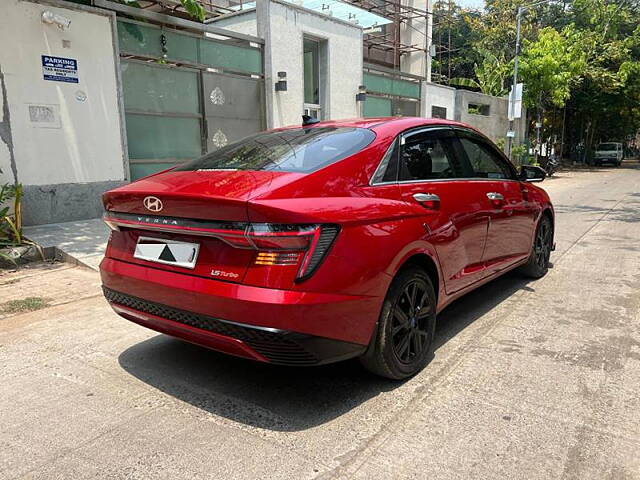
82,242
530,379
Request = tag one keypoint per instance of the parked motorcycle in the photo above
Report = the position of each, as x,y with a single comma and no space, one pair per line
553,164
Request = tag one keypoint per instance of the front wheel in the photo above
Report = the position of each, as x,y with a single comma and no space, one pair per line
538,263
401,345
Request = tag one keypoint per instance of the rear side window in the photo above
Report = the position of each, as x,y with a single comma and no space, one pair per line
296,150
428,156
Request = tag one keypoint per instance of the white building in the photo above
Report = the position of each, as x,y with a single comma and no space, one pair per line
62,138
91,98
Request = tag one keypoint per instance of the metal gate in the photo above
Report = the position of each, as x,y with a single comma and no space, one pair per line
231,107
185,93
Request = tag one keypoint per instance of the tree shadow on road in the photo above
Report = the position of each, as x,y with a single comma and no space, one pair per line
630,213
285,398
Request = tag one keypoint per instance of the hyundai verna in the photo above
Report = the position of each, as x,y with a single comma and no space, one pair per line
318,243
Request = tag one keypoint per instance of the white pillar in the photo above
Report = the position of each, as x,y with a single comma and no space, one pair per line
417,32
263,23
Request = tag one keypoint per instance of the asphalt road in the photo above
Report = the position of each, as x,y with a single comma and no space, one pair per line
529,380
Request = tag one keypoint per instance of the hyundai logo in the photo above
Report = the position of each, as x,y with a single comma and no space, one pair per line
153,204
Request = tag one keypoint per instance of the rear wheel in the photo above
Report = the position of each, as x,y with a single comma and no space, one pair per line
538,263
401,344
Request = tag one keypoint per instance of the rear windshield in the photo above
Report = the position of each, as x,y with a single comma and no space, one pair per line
608,146
296,150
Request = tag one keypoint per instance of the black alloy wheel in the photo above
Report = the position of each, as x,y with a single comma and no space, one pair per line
542,246
409,322
401,344
538,263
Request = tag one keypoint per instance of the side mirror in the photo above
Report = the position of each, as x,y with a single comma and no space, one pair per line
531,173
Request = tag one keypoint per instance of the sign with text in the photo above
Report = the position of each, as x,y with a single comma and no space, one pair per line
59,69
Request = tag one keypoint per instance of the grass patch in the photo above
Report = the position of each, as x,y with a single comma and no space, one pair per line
28,304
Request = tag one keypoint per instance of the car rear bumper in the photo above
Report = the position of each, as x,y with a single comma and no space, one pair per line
275,326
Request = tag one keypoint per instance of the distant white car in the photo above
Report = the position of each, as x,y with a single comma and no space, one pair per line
610,152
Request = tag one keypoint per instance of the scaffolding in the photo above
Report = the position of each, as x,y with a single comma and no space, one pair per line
212,8
383,44
387,40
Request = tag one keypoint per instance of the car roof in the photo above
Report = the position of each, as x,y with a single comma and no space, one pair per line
388,125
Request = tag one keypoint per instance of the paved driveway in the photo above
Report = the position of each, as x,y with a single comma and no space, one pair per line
530,379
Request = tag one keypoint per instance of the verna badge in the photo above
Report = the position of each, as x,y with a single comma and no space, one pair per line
153,204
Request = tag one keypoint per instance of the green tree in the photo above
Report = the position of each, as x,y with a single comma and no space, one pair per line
550,66
491,75
454,32
605,105
192,7
580,61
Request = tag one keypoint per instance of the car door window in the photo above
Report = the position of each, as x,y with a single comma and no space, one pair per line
387,171
484,163
428,156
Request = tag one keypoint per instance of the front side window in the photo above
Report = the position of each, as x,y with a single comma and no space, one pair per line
294,150
428,156
484,163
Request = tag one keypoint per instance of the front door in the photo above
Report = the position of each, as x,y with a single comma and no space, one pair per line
512,215
455,211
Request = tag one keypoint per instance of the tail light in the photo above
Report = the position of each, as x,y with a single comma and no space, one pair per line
285,244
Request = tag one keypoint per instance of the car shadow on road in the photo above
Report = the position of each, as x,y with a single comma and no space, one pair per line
463,312
282,398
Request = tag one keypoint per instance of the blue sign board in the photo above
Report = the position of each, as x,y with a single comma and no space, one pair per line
60,69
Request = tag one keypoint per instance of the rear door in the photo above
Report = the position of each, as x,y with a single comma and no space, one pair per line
431,175
512,215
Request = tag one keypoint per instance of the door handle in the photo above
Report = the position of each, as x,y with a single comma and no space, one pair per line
495,196
427,200
426,197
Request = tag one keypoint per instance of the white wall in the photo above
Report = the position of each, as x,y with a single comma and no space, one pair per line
241,22
283,26
439,96
494,125
84,144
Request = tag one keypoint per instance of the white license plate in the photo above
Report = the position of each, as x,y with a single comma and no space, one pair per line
169,252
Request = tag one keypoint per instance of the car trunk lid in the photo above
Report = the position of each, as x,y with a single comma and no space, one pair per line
188,222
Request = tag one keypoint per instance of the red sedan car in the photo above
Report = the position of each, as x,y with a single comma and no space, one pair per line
313,244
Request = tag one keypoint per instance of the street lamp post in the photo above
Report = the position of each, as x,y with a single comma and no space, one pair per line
512,100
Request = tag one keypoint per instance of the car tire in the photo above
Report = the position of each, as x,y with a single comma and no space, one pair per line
401,344
538,263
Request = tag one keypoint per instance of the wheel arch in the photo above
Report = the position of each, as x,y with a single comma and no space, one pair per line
428,264
550,214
